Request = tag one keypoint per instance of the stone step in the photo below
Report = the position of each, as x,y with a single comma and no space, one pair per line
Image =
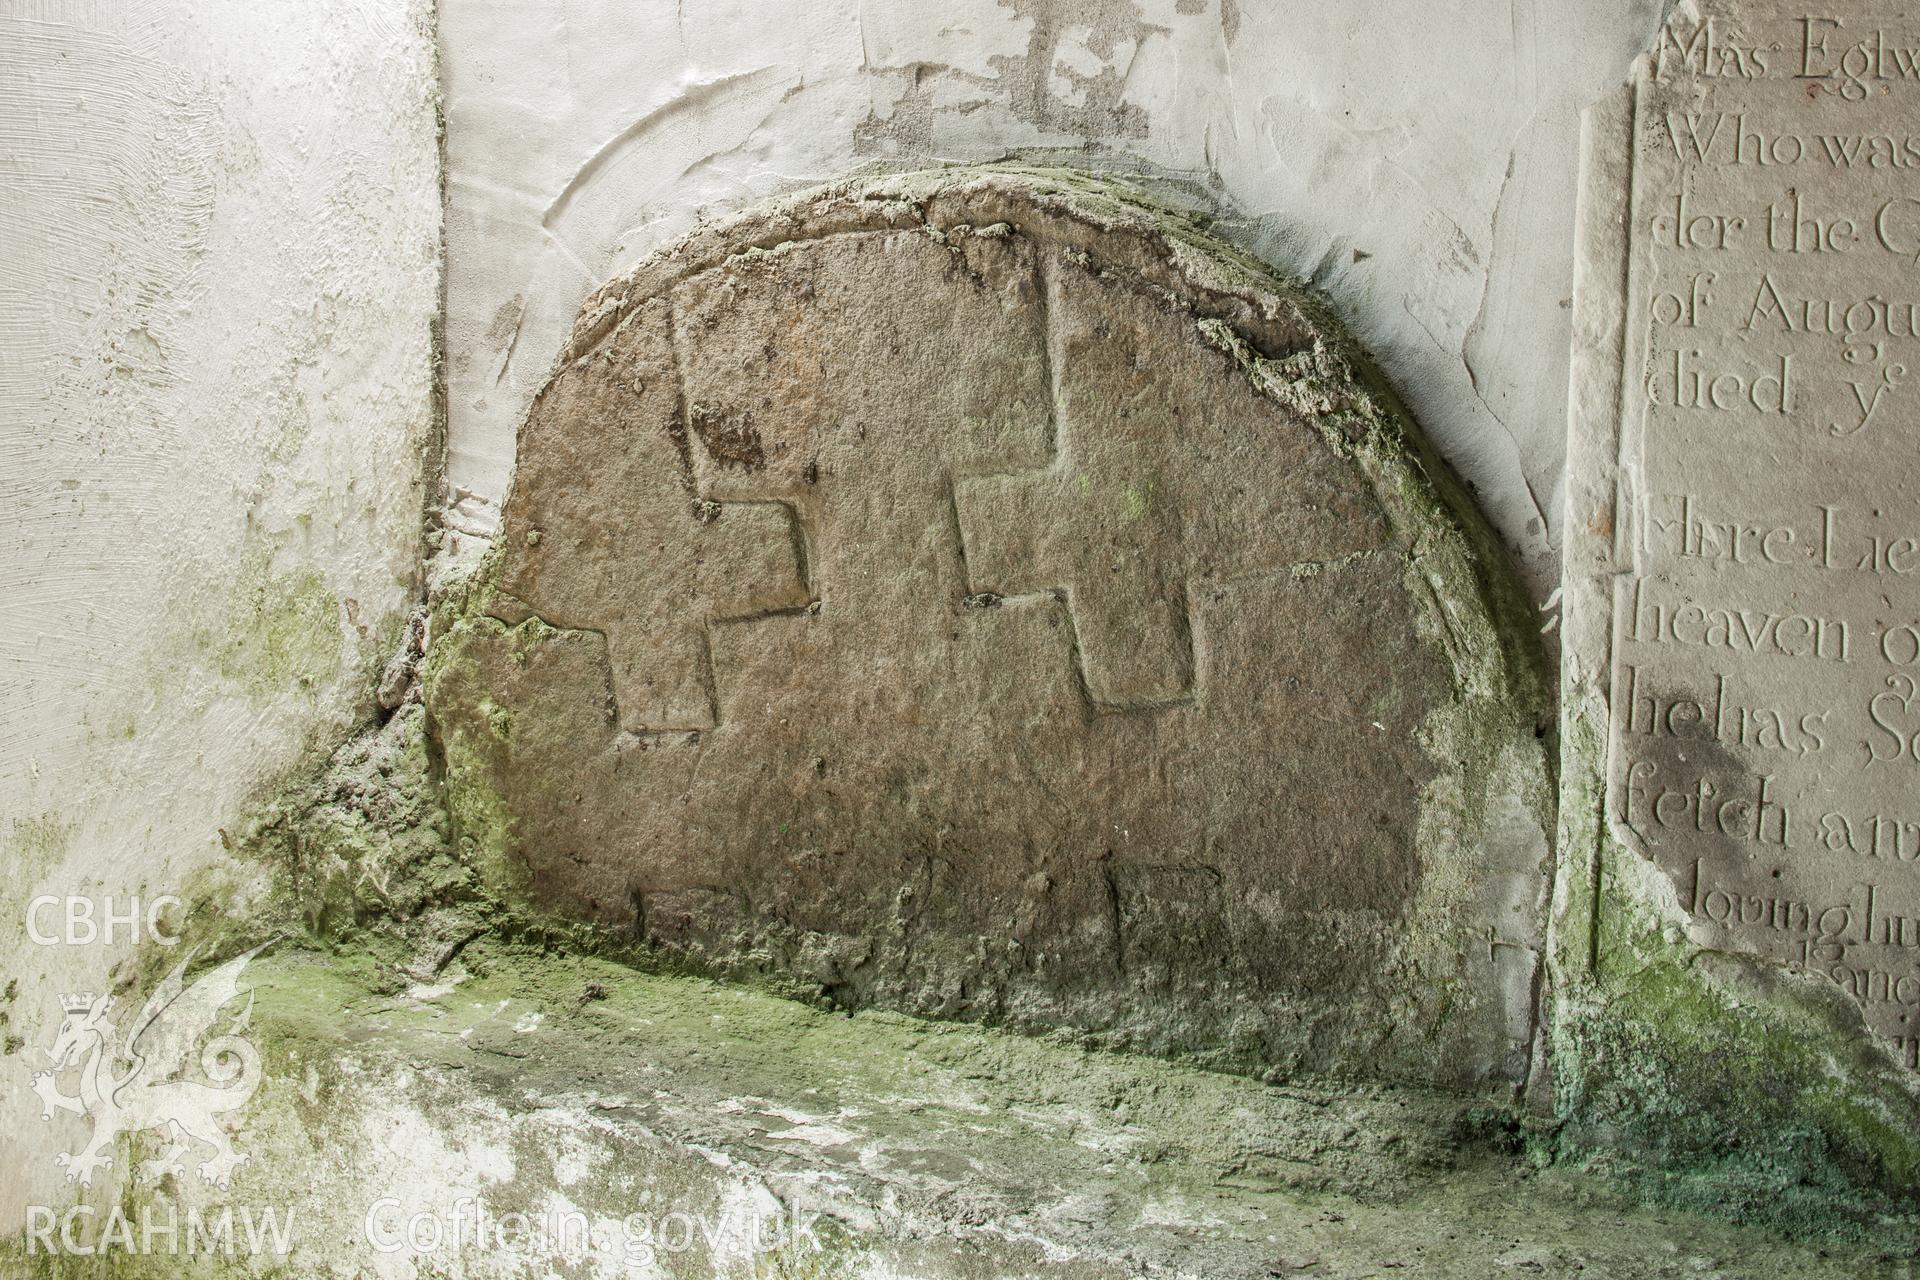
675,1116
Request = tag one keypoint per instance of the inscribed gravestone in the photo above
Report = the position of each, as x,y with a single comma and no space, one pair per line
974,595
1754,247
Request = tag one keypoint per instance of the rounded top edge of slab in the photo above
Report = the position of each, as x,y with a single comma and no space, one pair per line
1138,232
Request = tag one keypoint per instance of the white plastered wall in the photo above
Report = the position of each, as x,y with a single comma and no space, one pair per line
1416,160
219,276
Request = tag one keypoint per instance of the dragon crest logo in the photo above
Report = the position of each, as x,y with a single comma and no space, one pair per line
142,1084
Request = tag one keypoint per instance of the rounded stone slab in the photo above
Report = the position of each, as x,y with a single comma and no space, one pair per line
979,594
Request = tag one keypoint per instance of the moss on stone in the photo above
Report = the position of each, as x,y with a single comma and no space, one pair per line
1699,1078
993,1154
1720,1083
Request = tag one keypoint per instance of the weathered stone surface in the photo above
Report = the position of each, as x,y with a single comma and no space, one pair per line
1739,619
743,1136
1745,492
977,595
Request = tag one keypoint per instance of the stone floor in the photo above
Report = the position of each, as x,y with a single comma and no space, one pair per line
529,1081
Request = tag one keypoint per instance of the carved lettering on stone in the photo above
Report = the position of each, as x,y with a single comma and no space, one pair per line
1754,239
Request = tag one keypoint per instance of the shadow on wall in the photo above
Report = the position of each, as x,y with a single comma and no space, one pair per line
1734,1076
